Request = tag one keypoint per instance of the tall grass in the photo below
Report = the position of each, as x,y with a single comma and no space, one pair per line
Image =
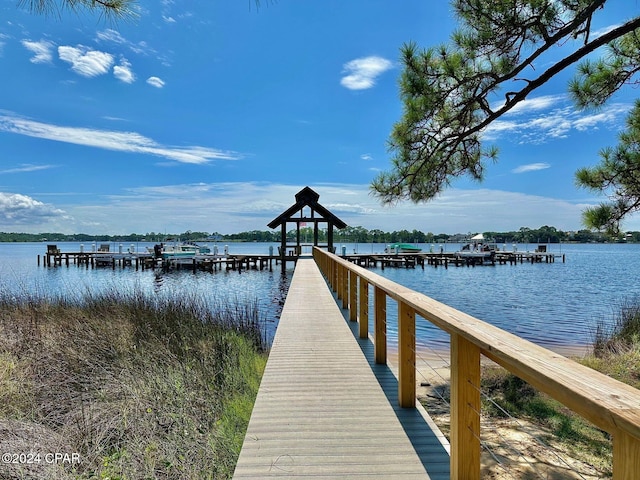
616,344
140,387
622,333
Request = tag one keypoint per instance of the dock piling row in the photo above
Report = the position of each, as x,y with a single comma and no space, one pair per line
139,260
215,262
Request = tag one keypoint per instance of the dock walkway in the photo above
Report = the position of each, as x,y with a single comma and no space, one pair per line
325,409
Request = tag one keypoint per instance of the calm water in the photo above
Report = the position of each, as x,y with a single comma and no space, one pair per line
20,273
555,305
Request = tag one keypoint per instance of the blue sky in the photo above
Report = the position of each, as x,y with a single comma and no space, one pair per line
211,115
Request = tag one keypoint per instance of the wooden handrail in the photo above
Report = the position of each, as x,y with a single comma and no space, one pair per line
607,403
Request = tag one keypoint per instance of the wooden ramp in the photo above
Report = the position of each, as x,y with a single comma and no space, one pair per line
324,410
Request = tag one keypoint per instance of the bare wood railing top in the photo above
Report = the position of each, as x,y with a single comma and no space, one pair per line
609,404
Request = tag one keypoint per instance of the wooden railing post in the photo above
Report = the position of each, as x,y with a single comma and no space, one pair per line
626,456
353,295
380,320
363,292
331,274
340,283
344,285
465,409
406,356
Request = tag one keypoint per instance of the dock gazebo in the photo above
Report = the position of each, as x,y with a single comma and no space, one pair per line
305,211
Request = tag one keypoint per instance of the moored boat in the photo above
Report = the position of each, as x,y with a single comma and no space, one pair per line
479,251
179,250
402,248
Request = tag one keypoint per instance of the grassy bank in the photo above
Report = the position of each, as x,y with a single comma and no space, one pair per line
128,386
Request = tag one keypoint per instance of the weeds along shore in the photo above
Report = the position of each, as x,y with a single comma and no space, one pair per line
125,386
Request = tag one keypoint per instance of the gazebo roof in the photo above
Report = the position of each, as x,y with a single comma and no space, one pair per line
306,198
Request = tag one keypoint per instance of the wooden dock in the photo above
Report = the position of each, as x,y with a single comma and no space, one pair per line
145,260
325,409
443,259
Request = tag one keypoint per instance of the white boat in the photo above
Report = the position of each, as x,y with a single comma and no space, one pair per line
179,250
478,251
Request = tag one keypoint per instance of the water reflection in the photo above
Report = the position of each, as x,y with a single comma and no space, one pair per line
158,282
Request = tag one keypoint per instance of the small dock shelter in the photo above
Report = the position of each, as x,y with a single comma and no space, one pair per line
307,210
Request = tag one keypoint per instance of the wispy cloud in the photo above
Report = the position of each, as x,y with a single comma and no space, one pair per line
26,168
535,104
602,31
3,37
113,36
366,156
42,50
110,35
85,61
155,82
540,119
112,140
362,73
531,167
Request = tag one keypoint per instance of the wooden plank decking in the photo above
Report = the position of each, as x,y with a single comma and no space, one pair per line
325,410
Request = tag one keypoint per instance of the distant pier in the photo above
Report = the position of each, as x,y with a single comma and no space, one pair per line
457,259
54,257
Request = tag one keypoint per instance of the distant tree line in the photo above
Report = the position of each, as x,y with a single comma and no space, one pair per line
544,234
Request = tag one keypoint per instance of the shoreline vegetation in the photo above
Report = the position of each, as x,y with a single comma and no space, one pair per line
544,234
125,386
526,432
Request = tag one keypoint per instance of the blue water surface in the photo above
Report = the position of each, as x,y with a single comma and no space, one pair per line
555,305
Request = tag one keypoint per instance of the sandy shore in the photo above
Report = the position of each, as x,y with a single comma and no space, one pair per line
516,450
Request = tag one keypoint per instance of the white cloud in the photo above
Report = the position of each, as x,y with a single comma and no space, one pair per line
112,36
362,73
41,50
543,102
17,209
366,156
86,62
155,82
531,167
123,72
603,31
112,140
544,118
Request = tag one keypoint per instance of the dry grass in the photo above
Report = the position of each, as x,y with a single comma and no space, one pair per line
136,387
